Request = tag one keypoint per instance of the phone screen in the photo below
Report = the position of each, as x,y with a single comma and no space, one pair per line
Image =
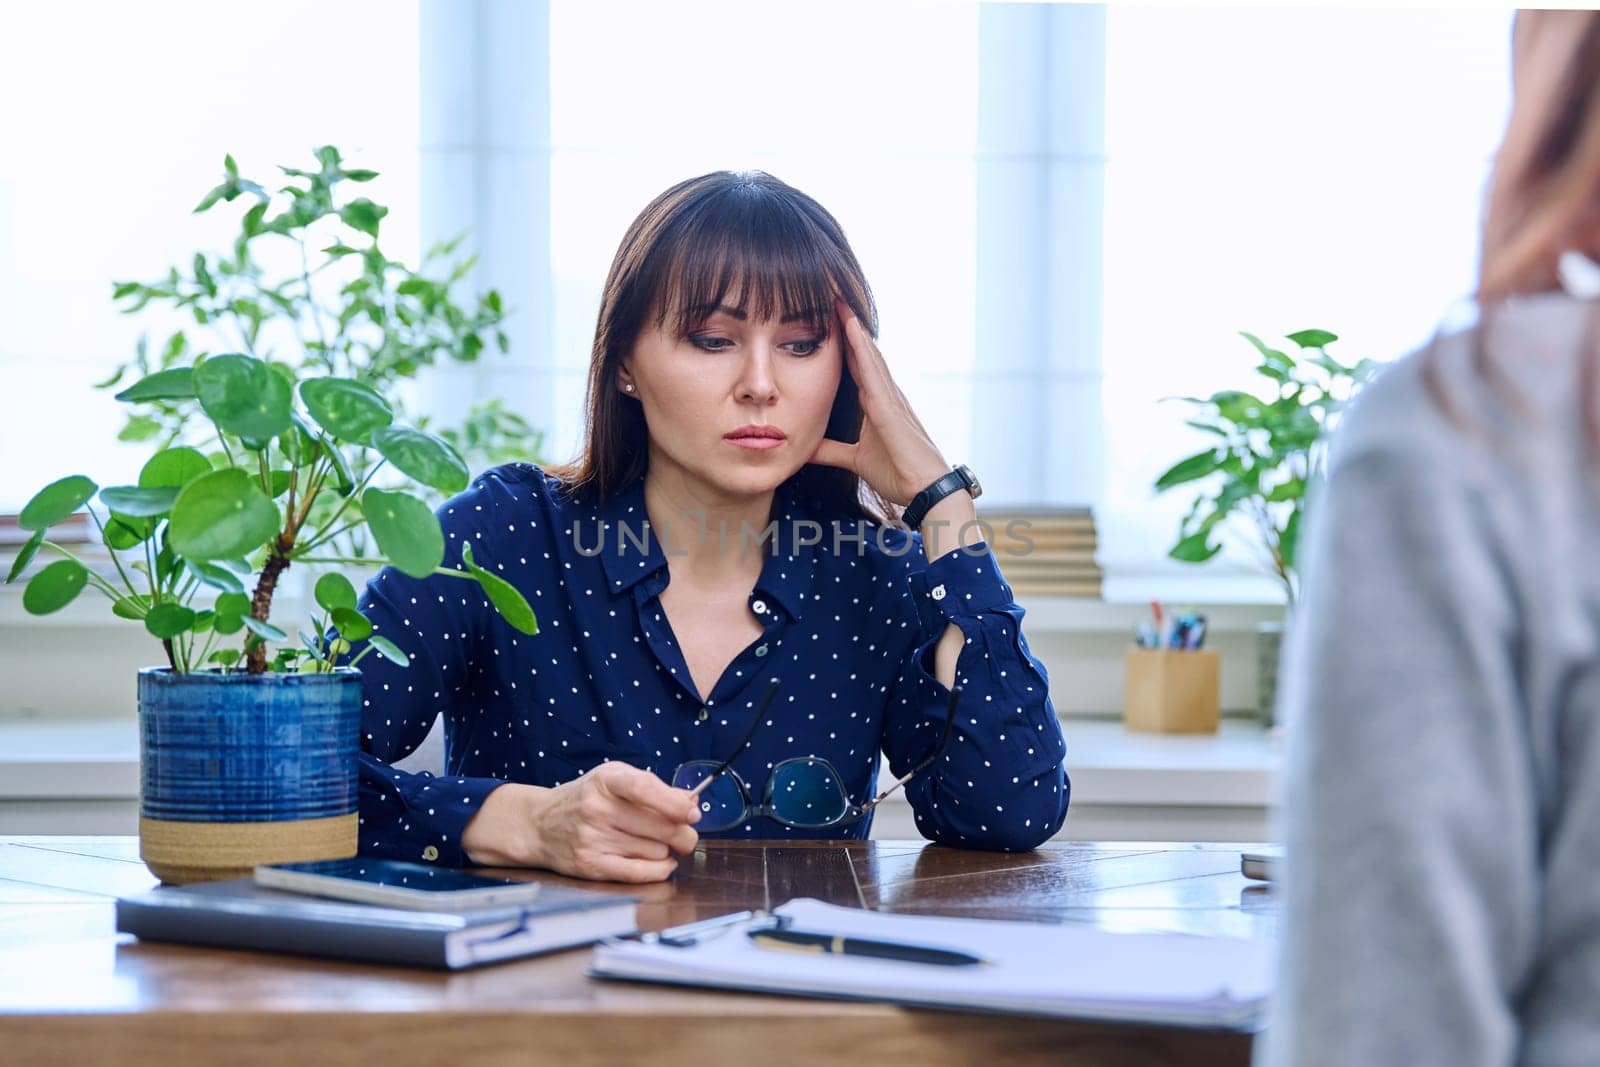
397,873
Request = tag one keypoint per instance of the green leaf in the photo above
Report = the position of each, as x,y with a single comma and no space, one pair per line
1187,470
222,515
215,576
511,604
25,556
361,175
1193,549
227,657
424,457
168,620
1313,338
345,482
138,502
406,529
139,428
54,587
244,396
124,531
363,215
335,591
1289,541
389,650
203,621
345,408
55,502
351,624
231,609
173,468
174,384
1293,489
131,607
264,630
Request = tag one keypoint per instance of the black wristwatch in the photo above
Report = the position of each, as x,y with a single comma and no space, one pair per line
960,477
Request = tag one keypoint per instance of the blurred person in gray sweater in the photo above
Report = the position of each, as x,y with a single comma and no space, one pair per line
1442,676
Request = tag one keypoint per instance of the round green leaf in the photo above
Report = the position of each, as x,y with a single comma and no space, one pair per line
174,384
173,468
227,657
54,587
244,396
389,650
124,531
131,607
352,625
221,515
264,630
55,502
168,620
217,577
334,591
25,557
139,503
203,621
424,457
235,604
406,529
511,604
345,408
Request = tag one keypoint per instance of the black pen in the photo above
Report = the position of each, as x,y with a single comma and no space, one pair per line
802,941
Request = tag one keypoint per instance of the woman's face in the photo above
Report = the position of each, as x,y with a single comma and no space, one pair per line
731,372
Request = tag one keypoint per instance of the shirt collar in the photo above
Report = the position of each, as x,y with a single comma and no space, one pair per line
630,551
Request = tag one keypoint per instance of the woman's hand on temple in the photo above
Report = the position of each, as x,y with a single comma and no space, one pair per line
615,824
895,454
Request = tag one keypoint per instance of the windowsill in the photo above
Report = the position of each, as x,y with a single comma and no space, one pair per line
90,758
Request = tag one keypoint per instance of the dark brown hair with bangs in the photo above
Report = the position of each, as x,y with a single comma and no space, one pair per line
684,254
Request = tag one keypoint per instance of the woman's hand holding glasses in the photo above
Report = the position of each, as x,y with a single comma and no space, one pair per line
615,824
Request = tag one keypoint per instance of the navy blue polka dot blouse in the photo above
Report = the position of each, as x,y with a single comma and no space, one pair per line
849,629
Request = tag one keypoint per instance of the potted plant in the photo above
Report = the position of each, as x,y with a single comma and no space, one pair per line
1265,452
287,452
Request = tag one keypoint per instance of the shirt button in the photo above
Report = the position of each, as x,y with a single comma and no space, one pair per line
430,853
761,650
759,607
938,591
704,715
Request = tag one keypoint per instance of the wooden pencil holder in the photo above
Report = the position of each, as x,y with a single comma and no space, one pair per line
1173,691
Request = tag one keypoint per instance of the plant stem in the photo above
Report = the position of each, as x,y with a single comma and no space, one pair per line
132,592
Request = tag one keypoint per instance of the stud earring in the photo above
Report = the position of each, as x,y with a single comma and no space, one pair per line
628,388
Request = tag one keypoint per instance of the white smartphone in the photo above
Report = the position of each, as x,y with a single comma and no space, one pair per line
1262,866
396,884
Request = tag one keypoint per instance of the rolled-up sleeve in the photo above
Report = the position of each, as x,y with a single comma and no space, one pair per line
1000,783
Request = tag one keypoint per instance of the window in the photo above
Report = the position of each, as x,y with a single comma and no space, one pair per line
115,122
871,109
1271,170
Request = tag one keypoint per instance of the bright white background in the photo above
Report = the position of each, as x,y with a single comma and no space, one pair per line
1266,169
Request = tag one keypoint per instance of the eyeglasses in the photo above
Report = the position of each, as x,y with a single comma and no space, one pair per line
804,793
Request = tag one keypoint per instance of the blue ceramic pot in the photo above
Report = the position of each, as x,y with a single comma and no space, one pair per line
239,769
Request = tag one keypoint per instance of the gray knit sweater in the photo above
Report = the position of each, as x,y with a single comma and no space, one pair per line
1441,695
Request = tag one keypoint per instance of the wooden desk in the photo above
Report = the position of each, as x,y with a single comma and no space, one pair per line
72,991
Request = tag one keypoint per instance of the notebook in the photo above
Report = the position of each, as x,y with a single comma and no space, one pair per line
241,914
1066,970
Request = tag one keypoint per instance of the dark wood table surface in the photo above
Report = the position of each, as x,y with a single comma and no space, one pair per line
73,991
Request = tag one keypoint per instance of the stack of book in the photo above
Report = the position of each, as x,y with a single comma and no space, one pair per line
1045,551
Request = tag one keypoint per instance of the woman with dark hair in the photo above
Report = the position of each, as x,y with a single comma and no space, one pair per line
731,630
1442,680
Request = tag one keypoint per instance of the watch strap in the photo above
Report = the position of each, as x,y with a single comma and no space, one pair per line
920,504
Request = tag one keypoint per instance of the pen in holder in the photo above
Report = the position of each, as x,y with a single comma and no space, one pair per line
1172,690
